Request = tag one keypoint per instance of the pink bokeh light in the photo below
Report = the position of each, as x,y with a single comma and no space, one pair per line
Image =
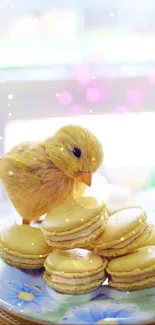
82,74
65,98
93,94
151,78
135,97
96,94
120,110
74,111
104,94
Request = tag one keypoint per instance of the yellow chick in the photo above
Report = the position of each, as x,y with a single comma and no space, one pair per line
38,176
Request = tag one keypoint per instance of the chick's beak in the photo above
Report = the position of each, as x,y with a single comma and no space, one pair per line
85,178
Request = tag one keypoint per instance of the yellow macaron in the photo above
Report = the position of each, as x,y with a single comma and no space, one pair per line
75,223
125,231
74,271
23,246
133,271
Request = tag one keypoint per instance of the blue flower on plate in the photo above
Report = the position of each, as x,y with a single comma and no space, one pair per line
23,296
113,313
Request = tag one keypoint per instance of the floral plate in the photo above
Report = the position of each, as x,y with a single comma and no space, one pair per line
24,293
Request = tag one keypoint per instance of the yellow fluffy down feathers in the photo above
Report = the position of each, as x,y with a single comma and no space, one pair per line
39,176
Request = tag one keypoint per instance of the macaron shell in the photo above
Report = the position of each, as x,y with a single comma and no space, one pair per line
73,261
122,241
24,240
74,232
72,214
129,245
121,225
135,262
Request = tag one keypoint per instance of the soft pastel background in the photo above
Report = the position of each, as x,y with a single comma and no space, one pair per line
90,62
87,62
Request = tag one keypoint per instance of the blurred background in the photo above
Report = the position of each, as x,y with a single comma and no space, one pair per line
82,62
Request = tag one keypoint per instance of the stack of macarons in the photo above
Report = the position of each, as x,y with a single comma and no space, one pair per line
80,244
123,232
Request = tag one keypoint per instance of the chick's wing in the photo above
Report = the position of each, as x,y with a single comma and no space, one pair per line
17,174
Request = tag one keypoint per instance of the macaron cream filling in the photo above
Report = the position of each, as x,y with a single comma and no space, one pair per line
18,260
79,281
73,289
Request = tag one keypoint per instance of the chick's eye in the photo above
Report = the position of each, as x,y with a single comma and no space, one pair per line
77,152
